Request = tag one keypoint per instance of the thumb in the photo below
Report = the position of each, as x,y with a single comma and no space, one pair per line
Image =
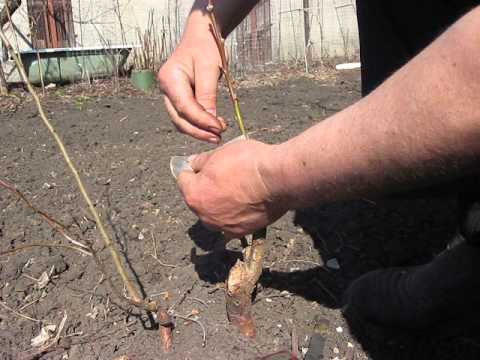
185,182
198,161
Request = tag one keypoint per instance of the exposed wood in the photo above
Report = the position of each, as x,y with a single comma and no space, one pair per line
241,283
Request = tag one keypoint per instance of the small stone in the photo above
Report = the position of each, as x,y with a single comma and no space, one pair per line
339,330
333,264
336,351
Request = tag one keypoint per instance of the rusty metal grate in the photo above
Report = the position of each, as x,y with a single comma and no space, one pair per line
51,23
254,36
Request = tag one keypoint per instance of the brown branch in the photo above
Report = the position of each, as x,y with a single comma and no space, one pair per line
54,224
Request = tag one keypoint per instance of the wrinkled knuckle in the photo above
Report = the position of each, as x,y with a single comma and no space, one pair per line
182,110
206,96
163,78
191,200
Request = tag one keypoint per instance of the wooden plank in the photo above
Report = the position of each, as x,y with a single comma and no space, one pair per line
52,26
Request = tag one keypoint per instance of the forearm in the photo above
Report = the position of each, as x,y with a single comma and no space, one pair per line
229,13
421,126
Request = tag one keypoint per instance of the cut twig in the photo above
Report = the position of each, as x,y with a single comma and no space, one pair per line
166,326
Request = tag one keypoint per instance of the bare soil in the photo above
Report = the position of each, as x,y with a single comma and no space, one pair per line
122,142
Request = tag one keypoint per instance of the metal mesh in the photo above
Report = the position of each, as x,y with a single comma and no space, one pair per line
292,32
276,31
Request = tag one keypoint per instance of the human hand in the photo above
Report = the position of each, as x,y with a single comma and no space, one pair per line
189,80
227,190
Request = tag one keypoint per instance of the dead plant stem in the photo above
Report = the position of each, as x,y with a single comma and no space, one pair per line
18,313
48,245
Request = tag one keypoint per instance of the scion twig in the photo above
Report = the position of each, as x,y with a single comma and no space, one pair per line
225,68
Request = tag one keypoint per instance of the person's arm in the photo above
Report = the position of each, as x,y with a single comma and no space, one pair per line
422,126
189,78
228,13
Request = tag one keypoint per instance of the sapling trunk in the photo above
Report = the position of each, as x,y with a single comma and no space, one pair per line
243,277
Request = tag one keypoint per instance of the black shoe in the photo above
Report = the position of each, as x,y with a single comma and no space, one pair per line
415,298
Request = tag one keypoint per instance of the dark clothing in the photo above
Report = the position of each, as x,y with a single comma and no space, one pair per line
393,32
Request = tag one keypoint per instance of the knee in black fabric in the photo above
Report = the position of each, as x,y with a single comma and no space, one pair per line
470,226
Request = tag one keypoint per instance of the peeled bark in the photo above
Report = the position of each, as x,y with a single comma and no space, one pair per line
165,323
241,283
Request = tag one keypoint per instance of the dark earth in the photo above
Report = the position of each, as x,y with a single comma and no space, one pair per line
122,142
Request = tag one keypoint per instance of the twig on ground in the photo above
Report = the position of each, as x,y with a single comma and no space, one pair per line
18,313
29,304
49,245
155,256
196,321
197,300
56,225
283,294
182,298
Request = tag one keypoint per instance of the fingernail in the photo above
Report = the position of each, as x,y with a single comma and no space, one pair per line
214,129
223,123
214,140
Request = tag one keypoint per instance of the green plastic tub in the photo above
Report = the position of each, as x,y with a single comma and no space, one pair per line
64,65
